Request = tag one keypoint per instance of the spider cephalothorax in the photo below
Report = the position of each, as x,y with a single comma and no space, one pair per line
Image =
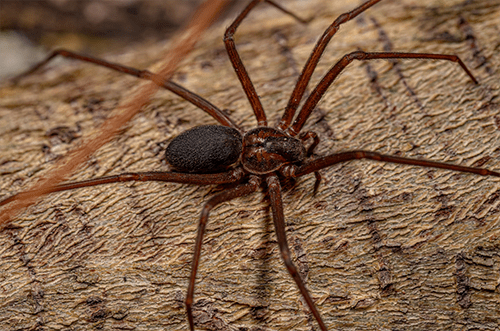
267,149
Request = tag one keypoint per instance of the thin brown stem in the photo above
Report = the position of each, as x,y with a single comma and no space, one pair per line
204,16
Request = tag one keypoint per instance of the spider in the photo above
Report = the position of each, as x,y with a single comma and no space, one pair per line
263,156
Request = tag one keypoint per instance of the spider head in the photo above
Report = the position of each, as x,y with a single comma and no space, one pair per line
266,150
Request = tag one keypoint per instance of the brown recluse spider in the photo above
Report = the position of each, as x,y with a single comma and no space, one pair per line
222,154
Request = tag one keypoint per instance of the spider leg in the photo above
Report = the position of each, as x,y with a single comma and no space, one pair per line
279,225
312,62
171,177
310,134
238,66
330,76
187,95
304,136
329,160
224,196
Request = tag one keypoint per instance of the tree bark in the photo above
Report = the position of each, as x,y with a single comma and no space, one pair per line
380,246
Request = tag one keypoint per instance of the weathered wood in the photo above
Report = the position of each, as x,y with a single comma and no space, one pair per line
380,246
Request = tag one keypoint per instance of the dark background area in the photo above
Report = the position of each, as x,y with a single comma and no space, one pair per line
29,29
95,23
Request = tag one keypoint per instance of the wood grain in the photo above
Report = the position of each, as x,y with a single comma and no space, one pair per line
380,246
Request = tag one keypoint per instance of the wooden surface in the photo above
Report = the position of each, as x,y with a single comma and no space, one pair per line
381,247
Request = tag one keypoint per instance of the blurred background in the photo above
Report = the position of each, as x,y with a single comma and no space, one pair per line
29,29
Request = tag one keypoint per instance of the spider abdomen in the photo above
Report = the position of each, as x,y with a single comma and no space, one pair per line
204,149
266,149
